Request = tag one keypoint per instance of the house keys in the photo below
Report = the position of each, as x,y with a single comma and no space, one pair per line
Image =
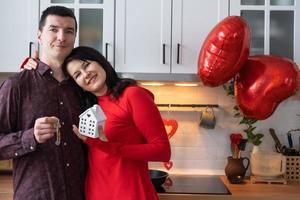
58,136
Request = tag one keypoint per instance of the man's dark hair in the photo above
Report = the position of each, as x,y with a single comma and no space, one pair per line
58,11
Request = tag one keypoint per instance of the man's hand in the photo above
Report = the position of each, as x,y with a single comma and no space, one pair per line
45,128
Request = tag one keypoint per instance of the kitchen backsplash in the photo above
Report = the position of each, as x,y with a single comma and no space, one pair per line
196,150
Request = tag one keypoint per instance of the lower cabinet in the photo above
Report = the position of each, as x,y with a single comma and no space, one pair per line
5,165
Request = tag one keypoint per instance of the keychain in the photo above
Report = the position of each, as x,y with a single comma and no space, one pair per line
58,136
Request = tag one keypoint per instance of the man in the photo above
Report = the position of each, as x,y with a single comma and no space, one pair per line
37,110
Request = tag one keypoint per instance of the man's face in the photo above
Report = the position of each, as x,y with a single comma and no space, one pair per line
57,37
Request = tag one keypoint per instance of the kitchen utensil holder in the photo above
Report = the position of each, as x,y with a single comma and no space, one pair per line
292,172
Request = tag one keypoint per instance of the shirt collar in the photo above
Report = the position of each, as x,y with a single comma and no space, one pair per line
43,68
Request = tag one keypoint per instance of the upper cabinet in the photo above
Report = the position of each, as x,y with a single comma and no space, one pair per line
95,23
275,27
19,22
163,36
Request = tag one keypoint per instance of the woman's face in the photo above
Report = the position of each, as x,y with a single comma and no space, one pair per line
89,75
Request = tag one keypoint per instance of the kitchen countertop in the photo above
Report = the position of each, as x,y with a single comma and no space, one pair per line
246,191
6,186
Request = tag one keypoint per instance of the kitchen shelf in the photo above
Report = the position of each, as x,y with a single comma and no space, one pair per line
189,105
185,107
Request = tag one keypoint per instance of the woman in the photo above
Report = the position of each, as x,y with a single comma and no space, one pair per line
118,167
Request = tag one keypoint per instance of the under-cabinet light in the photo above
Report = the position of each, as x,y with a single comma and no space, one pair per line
186,84
152,83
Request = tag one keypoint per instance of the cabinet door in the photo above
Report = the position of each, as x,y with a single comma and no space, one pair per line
143,36
274,26
192,21
19,25
163,36
95,20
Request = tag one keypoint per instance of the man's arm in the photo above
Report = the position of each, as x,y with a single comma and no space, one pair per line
13,142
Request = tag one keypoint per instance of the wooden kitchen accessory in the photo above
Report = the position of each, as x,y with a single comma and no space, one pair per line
278,180
292,172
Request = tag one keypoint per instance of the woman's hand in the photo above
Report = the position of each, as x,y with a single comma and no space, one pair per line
76,131
83,138
31,63
101,133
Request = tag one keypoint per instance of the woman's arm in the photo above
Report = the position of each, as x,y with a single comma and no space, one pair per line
149,122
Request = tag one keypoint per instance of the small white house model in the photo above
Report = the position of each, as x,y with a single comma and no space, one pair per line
89,120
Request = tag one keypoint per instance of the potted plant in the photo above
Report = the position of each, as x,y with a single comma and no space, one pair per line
253,137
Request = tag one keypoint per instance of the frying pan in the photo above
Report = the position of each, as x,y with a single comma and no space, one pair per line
278,145
158,177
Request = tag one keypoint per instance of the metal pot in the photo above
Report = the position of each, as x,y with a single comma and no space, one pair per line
158,177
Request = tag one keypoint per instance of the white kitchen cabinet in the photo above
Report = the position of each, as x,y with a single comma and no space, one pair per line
19,25
95,20
275,27
163,36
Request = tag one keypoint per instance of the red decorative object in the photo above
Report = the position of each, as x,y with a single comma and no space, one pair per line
224,51
171,126
168,182
168,165
235,139
264,82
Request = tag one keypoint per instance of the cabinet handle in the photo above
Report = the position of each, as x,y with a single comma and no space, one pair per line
30,48
178,52
106,50
164,53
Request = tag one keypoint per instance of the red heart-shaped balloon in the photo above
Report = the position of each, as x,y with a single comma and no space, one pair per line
168,165
264,82
224,51
171,126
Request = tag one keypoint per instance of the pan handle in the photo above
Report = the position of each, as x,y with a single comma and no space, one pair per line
290,140
278,145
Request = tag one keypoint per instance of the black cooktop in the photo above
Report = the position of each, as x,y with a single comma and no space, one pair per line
191,184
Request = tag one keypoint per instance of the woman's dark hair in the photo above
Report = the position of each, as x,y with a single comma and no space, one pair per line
115,85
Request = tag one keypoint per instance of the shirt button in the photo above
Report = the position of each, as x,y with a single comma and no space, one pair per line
16,154
62,123
61,103
31,148
65,144
51,72
68,164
